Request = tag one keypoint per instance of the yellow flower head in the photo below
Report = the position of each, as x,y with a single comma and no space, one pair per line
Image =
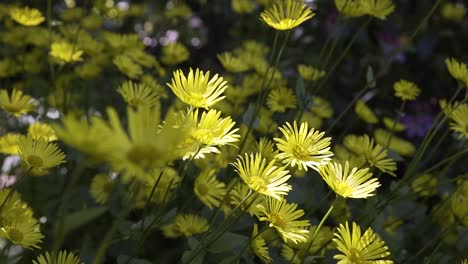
128,66
263,177
459,120
26,16
406,90
9,143
458,70
399,145
259,246
17,104
321,107
365,113
353,184
101,188
310,73
350,8
208,189
39,153
174,53
356,247
287,14
137,94
232,63
212,129
242,6
238,197
65,52
266,148
197,89
453,11
63,257
393,125
304,147
378,8
40,130
281,99
283,216
190,224
425,185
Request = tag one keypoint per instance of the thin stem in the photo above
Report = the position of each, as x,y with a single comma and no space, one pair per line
12,190
425,19
453,157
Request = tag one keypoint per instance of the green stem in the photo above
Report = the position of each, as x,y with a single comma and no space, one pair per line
425,19
453,157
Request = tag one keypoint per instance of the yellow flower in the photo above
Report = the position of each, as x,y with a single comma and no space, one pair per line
453,11
310,73
40,130
63,257
259,246
242,6
174,53
213,130
393,125
353,184
101,188
459,120
281,99
365,113
65,52
9,143
137,94
283,217
238,195
378,8
350,8
321,107
399,145
359,248
18,224
127,66
26,16
458,70
263,177
232,63
190,224
208,189
287,14
17,104
39,153
198,89
406,90
304,147
425,185
266,148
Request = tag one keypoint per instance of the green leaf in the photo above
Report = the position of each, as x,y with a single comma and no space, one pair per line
193,242
371,82
187,257
77,219
228,242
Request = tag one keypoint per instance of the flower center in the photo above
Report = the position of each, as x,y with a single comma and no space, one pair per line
15,235
300,152
356,256
343,189
257,184
34,161
144,156
203,135
202,189
277,220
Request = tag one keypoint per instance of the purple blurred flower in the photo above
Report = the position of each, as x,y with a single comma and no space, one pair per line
391,42
420,120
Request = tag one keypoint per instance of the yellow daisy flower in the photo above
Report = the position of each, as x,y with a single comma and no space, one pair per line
208,189
397,144
232,63
63,257
65,52
377,8
459,120
242,6
128,66
360,248
321,107
213,130
405,90
197,89
190,224
266,148
17,103
9,143
310,73
425,185
353,184
283,217
365,113
174,53
101,188
39,153
238,195
287,14
40,130
393,125
303,147
281,99
261,177
350,8
458,70
259,246
136,94
453,11
26,16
